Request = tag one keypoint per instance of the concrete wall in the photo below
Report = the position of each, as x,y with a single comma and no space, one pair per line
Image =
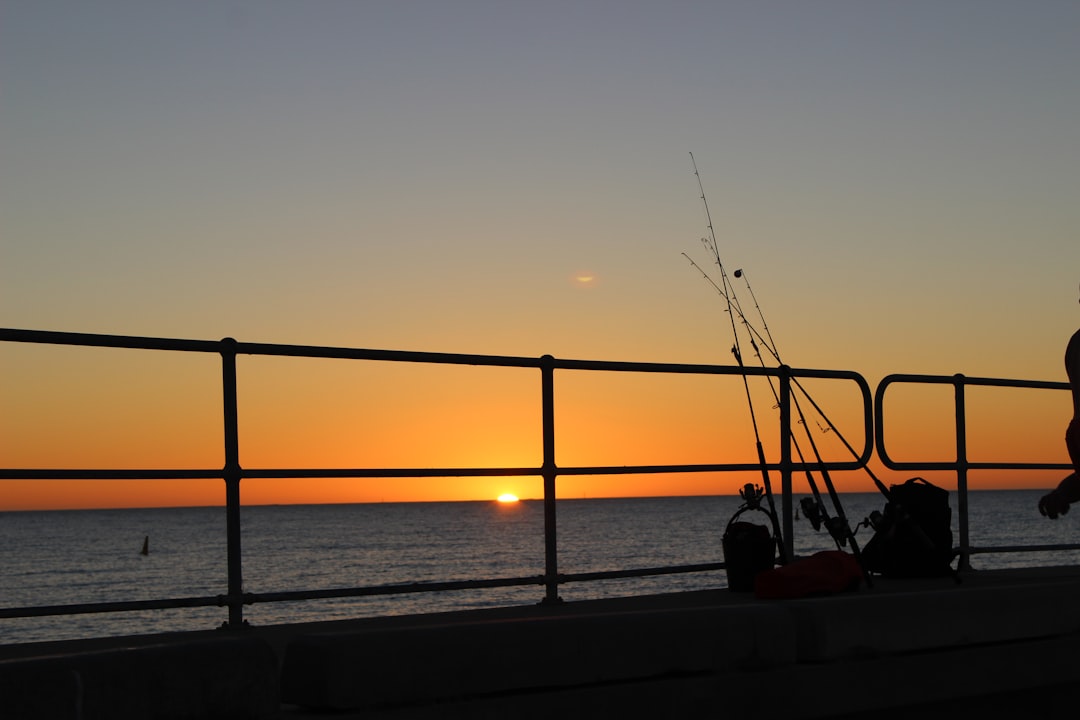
990,646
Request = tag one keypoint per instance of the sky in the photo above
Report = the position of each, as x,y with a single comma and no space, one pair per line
897,180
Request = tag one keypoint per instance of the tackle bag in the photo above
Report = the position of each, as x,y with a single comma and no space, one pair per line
913,534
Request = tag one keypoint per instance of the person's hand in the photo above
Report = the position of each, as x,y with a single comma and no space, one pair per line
1053,504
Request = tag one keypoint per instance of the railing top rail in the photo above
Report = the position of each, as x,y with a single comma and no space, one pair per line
416,356
50,337
701,369
252,348
321,351
962,379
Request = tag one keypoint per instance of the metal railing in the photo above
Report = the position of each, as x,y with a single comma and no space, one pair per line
549,471
233,473
961,465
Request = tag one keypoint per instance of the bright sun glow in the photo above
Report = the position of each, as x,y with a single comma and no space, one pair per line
508,498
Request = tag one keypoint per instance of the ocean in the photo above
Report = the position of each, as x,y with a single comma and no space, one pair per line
64,557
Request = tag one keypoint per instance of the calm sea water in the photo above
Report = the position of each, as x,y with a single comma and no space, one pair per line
64,557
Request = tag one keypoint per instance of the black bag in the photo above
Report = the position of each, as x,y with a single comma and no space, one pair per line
913,535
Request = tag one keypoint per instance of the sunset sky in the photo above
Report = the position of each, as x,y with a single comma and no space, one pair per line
899,180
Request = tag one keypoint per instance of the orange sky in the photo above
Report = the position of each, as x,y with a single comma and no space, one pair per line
112,408
899,180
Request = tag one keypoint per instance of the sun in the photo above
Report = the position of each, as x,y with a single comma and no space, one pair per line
507,498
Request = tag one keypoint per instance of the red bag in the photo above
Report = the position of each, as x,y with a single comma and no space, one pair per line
824,573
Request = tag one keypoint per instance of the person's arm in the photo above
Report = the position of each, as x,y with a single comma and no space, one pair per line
1072,369
1057,501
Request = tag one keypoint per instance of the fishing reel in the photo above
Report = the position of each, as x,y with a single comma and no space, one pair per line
811,509
875,521
752,495
817,516
839,530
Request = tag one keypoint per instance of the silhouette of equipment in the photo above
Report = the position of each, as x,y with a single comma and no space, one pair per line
913,534
749,548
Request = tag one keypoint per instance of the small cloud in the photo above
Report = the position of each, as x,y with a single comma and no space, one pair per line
585,279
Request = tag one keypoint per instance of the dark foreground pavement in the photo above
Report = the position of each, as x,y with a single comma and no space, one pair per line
997,644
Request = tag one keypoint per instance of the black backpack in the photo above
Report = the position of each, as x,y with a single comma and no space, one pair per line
913,534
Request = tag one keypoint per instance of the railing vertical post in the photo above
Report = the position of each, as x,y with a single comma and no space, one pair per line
232,474
788,520
964,563
550,472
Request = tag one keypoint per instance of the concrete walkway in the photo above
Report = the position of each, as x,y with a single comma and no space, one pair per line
998,642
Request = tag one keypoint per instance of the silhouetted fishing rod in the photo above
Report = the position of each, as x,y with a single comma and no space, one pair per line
771,346
732,306
765,342
839,528
817,514
746,279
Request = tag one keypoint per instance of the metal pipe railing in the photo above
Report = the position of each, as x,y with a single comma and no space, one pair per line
233,473
961,465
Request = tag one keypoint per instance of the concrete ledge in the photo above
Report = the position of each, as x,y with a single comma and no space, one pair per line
1023,680
904,644
1032,679
865,624
413,665
999,643
227,676
36,690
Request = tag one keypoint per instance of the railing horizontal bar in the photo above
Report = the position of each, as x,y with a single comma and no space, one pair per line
281,473
639,572
653,367
951,465
310,351
314,351
112,341
981,381
1026,384
418,587
405,588
699,369
118,606
284,473
653,469
106,474
1021,548
704,467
